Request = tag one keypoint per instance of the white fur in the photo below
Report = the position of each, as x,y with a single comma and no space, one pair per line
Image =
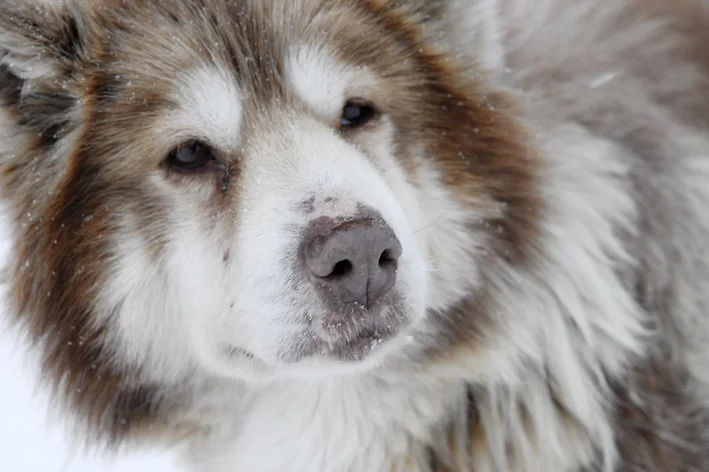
370,421
360,423
590,322
566,323
294,163
607,324
324,83
213,111
212,307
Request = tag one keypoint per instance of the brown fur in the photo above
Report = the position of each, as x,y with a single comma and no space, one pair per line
62,254
92,138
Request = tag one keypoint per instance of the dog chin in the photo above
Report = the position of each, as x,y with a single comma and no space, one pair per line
365,354
369,357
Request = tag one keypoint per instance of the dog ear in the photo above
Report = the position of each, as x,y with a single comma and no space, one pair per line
42,46
467,28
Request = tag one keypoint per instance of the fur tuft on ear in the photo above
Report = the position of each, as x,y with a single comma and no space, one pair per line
42,44
469,28
39,39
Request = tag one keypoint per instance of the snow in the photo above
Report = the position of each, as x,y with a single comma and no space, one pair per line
602,79
31,442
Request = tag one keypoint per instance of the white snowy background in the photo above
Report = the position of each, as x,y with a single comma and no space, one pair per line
32,441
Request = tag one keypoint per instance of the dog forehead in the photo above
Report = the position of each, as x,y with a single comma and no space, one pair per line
215,99
239,56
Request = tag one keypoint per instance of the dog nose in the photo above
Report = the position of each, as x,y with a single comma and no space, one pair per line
354,261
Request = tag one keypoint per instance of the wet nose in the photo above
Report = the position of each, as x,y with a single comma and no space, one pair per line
355,261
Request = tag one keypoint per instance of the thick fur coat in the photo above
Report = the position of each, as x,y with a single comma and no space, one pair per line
544,165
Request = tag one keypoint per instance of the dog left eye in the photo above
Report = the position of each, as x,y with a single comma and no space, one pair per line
191,156
356,114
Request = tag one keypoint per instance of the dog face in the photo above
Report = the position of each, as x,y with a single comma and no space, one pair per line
248,188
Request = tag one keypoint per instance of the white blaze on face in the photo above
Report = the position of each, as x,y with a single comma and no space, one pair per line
211,105
298,161
324,83
295,159
258,299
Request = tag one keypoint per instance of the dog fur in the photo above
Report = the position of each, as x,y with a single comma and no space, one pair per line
545,165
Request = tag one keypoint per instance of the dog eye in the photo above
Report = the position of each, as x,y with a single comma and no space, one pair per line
356,114
191,156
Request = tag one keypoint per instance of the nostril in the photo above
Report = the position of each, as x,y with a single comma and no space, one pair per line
387,260
353,260
341,269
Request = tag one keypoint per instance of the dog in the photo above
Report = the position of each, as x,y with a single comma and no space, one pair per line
365,235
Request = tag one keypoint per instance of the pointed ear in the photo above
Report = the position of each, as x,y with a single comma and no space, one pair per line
40,38
468,28
42,44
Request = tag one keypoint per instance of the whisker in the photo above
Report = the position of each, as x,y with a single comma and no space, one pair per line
429,226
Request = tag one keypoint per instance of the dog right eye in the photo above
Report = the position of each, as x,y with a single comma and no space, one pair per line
193,155
357,113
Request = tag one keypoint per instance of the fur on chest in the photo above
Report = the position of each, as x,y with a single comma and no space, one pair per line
344,424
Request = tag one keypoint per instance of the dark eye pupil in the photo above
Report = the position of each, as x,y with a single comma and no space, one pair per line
355,114
192,155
